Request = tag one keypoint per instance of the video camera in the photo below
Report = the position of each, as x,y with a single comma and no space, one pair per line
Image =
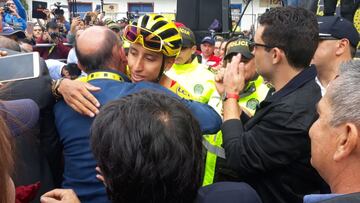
55,35
7,9
132,16
58,12
124,20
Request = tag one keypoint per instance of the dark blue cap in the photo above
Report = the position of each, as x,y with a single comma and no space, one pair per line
20,115
8,30
209,40
339,28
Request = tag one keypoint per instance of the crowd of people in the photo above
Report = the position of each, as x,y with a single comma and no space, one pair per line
138,112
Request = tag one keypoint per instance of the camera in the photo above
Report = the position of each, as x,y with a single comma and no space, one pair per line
58,12
7,9
55,35
87,19
61,28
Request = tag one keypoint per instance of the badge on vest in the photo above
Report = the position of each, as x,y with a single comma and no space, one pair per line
252,103
198,89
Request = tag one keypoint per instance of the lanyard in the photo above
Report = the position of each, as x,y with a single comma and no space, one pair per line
101,75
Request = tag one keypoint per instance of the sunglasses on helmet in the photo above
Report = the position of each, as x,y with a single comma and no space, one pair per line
146,38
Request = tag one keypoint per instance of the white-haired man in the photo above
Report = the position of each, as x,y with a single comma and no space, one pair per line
335,137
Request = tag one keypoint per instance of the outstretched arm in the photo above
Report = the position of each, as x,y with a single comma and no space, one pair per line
78,96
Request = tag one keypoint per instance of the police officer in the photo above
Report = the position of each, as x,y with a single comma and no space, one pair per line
187,78
255,92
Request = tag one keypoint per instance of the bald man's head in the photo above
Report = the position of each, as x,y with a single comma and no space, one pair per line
97,48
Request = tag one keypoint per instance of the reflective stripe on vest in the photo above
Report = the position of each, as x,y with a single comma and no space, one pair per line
218,151
212,144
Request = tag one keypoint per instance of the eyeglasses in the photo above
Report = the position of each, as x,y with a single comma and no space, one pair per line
9,4
253,45
146,38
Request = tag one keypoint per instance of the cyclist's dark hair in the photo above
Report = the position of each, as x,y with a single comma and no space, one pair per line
148,146
73,70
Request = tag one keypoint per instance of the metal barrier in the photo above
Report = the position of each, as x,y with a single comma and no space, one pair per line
44,45
41,45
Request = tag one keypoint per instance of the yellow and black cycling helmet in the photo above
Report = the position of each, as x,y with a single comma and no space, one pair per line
155,33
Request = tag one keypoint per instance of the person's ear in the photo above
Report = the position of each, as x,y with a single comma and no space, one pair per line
342,46
193,49
169,61
347,141
277,55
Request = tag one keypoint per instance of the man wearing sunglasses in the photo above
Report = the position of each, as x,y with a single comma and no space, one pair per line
100,56
271,150
338,41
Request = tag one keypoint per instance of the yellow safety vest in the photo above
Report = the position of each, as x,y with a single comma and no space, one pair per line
192,81
255,93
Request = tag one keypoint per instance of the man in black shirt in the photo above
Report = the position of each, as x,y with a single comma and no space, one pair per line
271,151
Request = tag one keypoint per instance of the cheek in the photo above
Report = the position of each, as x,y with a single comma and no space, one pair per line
323,52
312,129
257,63
152,69
131,59
182,55
317,134
188,55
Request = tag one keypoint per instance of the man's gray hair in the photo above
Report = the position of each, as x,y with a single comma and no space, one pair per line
344,95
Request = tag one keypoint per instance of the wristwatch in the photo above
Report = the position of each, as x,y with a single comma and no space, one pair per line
54,88
227,95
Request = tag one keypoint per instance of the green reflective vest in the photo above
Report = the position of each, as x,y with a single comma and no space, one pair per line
192,81
254,93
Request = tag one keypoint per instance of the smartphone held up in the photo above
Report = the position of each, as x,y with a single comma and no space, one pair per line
19,66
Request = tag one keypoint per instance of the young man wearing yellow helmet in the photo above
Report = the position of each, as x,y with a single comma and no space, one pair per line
154,44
